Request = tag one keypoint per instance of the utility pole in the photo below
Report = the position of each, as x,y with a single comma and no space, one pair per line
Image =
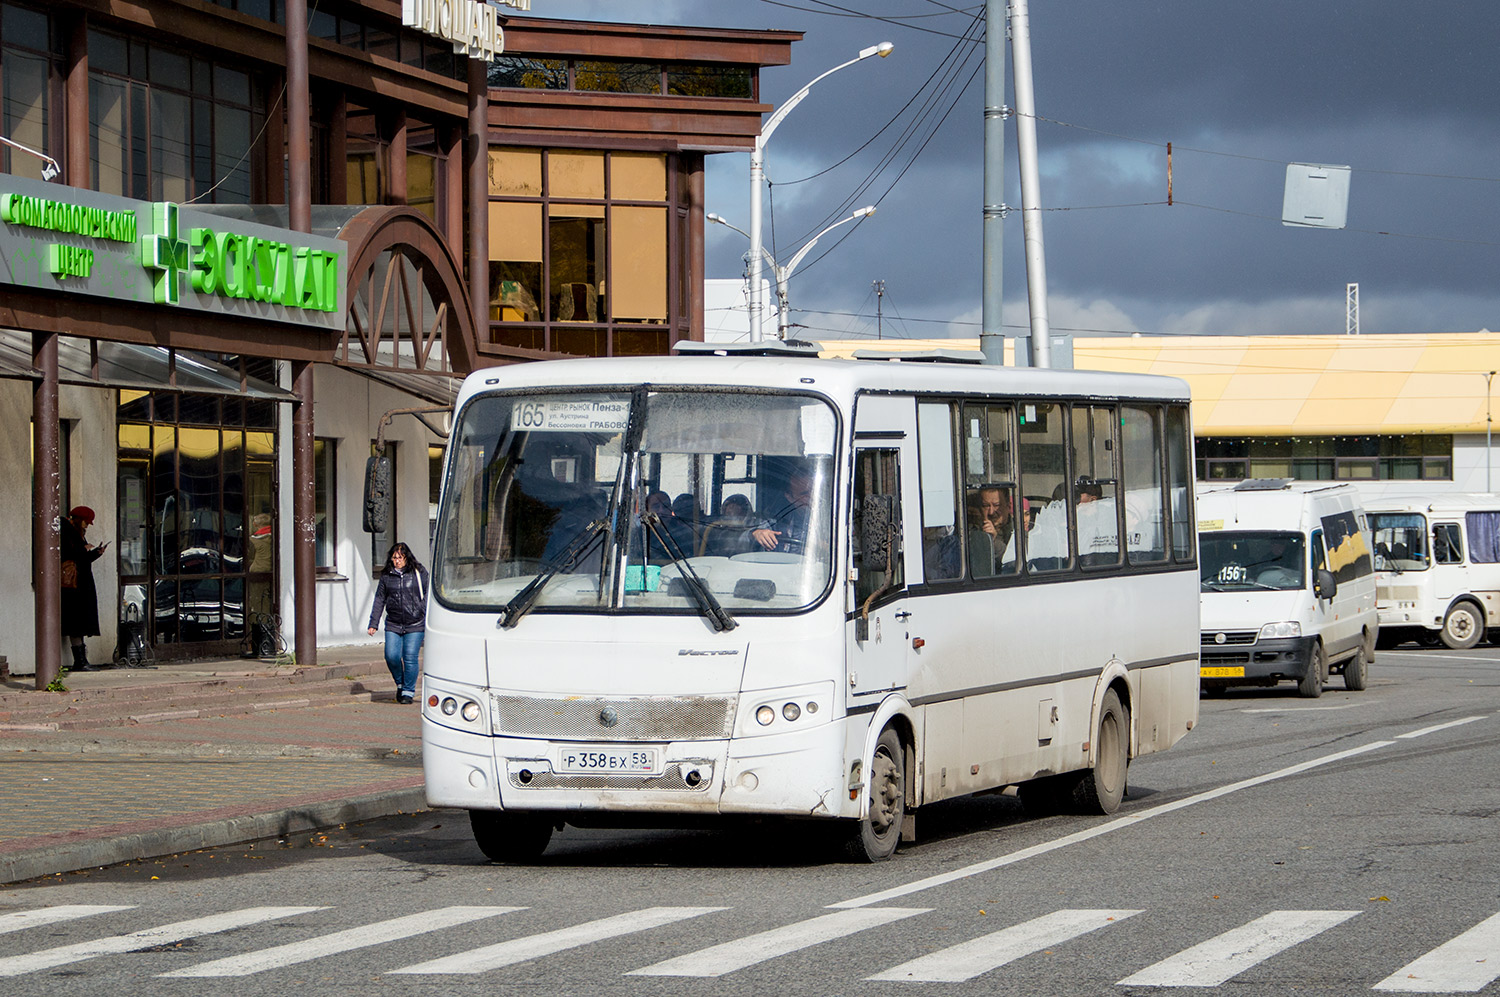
991,332
879,286
1031,184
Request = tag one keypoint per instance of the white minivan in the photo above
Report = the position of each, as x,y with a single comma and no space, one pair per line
1288,585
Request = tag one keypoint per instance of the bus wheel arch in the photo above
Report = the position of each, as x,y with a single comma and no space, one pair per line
1463,624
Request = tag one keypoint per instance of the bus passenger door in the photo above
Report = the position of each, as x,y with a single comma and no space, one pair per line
879,616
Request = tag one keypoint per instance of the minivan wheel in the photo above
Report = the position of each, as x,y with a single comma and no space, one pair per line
1463,626
1311,685
1357,671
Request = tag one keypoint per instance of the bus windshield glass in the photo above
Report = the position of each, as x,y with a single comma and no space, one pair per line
1400,541
653,501
1240,562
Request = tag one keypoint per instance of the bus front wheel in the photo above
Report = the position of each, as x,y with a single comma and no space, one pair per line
510,837
1463,626
875,836
1103,787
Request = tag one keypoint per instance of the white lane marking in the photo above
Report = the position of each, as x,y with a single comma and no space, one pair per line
549,942
1119,823
1419,656
1230,954
341,941
967,960
1465,964
1301,709
716,960
166,934
51,915
1430,730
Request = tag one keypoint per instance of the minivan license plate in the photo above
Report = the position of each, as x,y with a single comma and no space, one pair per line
1222,672
596,759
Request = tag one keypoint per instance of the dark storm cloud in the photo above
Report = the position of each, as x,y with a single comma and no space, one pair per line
1404,94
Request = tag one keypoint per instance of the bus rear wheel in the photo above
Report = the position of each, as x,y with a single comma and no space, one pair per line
1102,787
875,836
511,837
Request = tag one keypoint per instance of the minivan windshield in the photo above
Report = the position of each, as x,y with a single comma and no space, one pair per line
695,501
1231,561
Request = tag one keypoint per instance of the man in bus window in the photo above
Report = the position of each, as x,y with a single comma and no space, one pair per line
786,530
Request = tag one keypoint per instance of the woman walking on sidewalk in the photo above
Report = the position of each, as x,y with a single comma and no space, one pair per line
80,601
401,593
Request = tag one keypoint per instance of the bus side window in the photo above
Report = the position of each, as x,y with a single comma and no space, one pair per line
876,528
1447,548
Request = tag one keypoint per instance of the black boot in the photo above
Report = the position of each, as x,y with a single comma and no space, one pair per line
81,659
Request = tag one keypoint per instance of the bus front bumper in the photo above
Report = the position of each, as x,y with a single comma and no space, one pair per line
798,773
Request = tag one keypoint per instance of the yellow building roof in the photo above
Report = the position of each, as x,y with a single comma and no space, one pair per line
1294,385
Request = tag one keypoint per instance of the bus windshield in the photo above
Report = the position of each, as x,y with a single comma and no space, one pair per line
1239,562
1400,541
644,500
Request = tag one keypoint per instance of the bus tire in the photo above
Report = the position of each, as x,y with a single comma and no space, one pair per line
1462,626
511,837
1102,787
1311,684
875,836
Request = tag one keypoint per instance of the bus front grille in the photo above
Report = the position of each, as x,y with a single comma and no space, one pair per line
651,718
1211,637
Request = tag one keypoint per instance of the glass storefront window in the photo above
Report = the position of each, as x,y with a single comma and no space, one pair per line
572,242
610,76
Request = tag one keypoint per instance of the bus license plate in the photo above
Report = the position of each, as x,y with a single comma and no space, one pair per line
596,759
1226,672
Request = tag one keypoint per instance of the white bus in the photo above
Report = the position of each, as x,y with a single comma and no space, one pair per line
1437,568
868,586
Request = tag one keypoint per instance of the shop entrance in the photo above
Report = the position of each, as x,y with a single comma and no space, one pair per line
197,520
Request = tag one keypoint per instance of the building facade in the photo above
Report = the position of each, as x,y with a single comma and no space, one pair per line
251,240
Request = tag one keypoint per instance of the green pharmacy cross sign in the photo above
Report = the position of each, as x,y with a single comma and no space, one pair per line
83,242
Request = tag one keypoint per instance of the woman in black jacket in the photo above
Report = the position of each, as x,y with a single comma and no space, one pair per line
401,593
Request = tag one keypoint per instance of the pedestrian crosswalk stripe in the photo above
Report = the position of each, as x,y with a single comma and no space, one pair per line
51,915
980,955
166,934
1464,964
341,941
1230,954
535,946
716,960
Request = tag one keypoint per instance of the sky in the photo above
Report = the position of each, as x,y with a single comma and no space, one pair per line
1406,95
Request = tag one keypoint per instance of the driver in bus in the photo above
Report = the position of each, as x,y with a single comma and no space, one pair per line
787,529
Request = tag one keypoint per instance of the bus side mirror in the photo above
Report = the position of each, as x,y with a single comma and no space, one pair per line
1324,586
377,494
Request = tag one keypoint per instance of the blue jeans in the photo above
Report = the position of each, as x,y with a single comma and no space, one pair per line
401,658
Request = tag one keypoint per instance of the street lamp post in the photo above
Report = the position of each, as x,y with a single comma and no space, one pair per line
1489,376
784,273
758,177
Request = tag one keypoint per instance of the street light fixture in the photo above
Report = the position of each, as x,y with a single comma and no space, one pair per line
758,176
784,273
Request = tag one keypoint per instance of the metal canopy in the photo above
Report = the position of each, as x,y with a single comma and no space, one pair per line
131,366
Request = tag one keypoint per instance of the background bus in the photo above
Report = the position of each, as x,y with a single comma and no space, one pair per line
691,587
1437,564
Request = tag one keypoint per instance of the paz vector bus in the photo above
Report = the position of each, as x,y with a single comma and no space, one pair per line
675,588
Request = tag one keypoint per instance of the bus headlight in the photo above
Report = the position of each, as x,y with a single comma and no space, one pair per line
1290,628
764,716
791,711
450,706
471,711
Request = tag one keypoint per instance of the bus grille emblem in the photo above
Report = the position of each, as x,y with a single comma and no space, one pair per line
608,717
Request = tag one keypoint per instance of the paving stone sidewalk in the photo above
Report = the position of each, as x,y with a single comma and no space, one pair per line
75,799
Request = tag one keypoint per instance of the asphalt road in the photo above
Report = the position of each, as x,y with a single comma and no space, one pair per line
1331,846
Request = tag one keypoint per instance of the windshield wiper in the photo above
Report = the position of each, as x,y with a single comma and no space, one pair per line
717,615
578,548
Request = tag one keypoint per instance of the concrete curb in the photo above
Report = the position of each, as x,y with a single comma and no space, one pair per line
71,856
